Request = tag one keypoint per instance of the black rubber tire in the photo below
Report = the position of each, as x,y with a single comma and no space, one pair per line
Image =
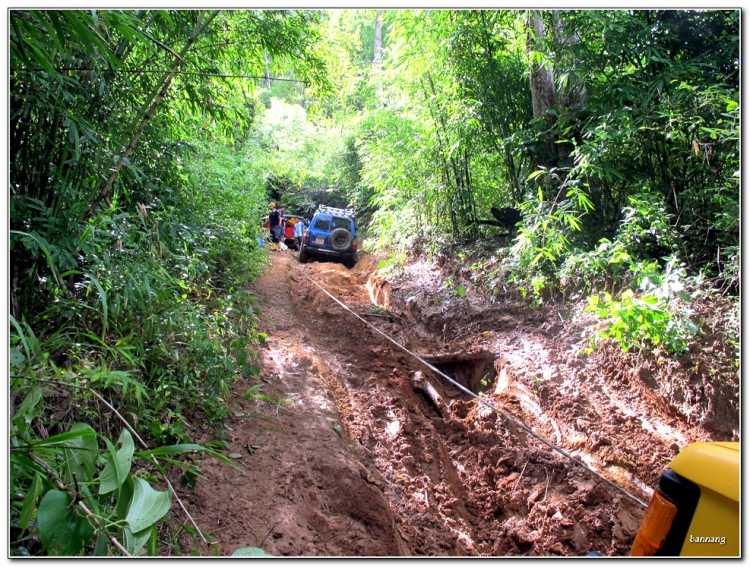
340,240
304,256
349,263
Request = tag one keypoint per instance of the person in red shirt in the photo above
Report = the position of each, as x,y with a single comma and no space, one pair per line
289,234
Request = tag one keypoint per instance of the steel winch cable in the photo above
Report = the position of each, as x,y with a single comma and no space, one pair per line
493,407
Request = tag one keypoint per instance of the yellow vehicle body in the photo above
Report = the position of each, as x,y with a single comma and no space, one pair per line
715,468
695,512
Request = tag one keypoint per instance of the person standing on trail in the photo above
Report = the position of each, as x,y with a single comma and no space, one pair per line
299,232
289,231
290,228
274,222
282,226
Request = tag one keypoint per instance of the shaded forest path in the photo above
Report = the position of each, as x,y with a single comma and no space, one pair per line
358,461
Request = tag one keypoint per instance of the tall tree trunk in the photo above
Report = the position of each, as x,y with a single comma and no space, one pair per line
574,92
377,50
542,83
545,93
541,77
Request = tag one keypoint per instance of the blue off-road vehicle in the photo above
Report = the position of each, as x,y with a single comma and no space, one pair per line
332,233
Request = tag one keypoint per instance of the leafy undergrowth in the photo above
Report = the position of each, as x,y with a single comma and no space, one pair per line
106,380
654,309
641,304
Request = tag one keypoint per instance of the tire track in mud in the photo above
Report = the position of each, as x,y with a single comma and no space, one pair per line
303,492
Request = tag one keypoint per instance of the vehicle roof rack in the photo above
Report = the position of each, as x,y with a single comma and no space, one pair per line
335,211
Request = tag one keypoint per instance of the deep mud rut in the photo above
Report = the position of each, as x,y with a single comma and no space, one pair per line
360,462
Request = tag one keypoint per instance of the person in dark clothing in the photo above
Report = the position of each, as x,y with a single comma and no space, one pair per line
275,224
282,223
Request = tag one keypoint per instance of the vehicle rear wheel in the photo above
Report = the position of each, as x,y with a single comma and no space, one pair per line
349,263
340,240
304,256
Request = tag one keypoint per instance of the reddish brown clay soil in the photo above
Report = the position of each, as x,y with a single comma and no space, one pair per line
357,461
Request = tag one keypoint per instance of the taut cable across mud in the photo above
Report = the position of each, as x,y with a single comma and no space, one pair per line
480,399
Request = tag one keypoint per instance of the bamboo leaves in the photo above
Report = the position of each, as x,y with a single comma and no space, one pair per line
129,301
103,298
30,503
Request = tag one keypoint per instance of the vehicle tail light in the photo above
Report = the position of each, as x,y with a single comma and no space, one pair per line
354,244
307,237
655,525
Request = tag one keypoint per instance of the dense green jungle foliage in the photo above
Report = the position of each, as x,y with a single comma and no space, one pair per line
145,146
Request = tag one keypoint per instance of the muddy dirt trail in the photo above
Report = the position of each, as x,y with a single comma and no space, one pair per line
357,459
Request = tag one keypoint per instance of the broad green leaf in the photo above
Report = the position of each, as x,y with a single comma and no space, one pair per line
62,529
111,478
171,449
81,456
250,552
147,507
61,437
134,542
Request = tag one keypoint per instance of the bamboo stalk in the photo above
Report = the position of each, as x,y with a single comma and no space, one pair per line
151,103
